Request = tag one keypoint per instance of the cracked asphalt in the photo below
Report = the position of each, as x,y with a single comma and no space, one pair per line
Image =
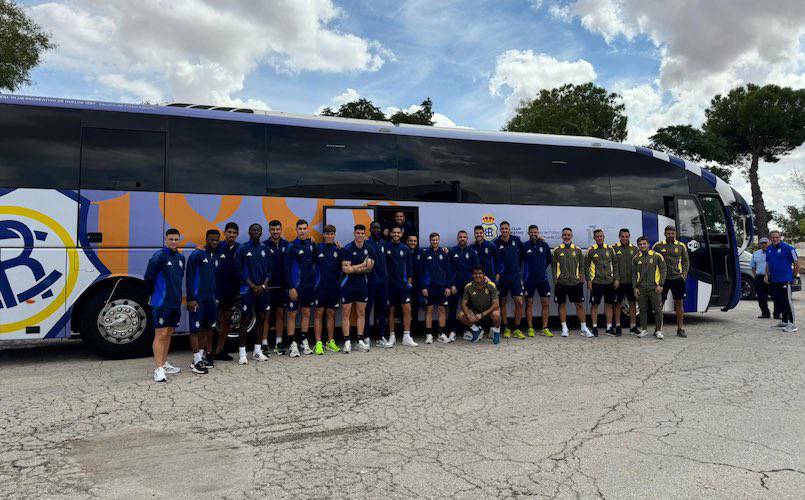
720,414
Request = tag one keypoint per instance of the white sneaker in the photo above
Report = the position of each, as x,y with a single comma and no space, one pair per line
642,333
658,335
467,335
347,347
259,356
442,338
791,328
243,360
293,352
429,339
408,341
306,347
363,346
452,337
381,342
586,331
159,375
170,369
565,332
391,341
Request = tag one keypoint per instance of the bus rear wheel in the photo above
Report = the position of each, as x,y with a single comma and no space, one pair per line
118,327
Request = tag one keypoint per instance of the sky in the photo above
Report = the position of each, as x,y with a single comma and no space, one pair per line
476,60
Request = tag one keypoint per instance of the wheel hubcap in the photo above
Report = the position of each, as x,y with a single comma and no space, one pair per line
121,321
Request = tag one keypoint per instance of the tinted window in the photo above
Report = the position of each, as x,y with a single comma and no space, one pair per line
331,163
122,160
39,147
212,156
454,170
554,175
643,182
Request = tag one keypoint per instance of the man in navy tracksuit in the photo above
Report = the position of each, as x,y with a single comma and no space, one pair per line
300,278
400,271
163,283
228,287
254,265
328,298
487,253
782,267
417,300
202,300
277,289
435,281
357,260
378,284
463,258
536,262
510,278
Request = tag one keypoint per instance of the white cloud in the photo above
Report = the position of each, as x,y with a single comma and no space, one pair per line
139,88
200,50
523,74
439,119
349,95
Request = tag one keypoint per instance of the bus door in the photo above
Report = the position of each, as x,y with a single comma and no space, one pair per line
718,230
344,218
691,231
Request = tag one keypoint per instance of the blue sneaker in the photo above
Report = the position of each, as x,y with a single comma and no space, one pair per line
476,334
496,338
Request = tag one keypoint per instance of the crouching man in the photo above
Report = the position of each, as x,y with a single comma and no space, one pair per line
480,305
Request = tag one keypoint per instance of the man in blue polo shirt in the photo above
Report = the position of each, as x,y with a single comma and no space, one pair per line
782,268
759,278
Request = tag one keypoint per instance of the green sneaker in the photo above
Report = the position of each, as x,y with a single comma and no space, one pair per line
519,334
319,348
332,346
507,333
530,332
546,332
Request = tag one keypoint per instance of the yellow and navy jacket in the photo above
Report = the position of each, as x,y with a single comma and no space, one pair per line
601,265
676,258
568,265
648,270
625,256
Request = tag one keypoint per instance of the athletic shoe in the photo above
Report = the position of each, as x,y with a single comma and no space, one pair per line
224,356
429,339
776,315
546,332
519,334
243,360
318,349
595,331
159,375
496,338
681,333
565,332
259,356
347,347
476,334
306,347
612,332
781,324
764,316
294,351
209,360
391,341
530,332
618,331
170,369
332,346
468,335
451,338
791,328
279,350
507,333
634,330
642,333
363,346
442,338
199,368
408,341
585,332
658,335
381,342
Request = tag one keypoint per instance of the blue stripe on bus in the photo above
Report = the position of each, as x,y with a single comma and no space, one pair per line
644,151
650,227
709,176
691,302
679,162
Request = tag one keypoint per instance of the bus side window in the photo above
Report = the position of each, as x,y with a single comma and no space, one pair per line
122,160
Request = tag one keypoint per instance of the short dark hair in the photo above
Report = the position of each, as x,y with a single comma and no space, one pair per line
566,229
624,230
461,231
359,227
412,236
398,228
434,234
598,231
533,226
301,222
253,225
477,268
171,231
505,223
671,227
641,239
329,228
275,223
231,225
476,228
211,232
375,222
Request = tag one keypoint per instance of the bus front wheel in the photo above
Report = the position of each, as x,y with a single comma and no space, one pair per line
118,326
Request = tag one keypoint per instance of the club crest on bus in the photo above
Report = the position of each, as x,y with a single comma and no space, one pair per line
490,229
21,265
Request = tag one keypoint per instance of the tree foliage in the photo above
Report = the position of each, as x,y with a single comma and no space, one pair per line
22,43
422,116
572,110
691,143
364,109
792,223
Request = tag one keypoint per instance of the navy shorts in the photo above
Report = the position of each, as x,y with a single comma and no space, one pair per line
260,303
350,294
306,298
575,293
677,288
327,298
625,291
510,284
399,295
205,317
543,288
602,291
278,298
436,296
166,317
227,302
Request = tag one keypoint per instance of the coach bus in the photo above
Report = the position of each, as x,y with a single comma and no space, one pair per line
87,190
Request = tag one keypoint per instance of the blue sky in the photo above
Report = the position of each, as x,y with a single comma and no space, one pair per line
476,60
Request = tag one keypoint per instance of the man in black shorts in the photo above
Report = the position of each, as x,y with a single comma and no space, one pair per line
567,264
601,271
228,285
480,304
677,264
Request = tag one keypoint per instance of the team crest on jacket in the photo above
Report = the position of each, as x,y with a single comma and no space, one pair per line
489,227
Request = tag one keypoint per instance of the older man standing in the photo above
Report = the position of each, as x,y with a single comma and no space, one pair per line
759,273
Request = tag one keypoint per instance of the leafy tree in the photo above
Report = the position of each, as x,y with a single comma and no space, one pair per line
361,109
792,223
690,143
422,116
572,110
758,123
22,42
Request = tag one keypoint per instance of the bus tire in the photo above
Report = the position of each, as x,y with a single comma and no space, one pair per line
747,287
129,332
